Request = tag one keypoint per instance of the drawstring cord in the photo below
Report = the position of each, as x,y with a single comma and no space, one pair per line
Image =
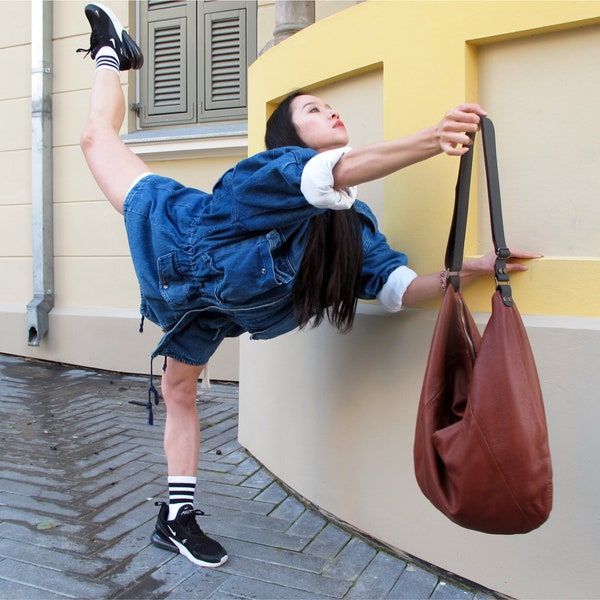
152,395
153,392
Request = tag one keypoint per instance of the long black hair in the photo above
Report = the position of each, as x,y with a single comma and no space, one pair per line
329,279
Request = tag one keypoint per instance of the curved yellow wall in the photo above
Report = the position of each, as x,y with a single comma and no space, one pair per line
333,416
429,53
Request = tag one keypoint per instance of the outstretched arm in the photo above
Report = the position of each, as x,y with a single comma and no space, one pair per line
367,163
428,287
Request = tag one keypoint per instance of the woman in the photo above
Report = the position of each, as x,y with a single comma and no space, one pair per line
279,242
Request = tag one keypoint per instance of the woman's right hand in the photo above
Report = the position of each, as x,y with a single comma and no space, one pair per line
452,130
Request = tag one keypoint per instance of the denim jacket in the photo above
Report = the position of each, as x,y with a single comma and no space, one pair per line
235,250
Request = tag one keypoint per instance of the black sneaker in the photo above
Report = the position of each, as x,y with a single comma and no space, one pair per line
183,535
108,31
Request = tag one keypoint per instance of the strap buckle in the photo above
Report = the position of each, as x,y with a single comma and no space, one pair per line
501,276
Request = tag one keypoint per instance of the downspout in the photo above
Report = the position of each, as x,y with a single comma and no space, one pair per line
41,172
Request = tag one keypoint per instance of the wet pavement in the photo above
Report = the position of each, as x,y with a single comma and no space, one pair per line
80,471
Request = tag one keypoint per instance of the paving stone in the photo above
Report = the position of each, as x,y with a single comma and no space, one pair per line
55,582
260,479
48,558
36,506
243,587
278,556
378,578
258,536
274,493
276,574
248,467
413,583
329,541
202,583
290,509
46,538
208,500
10,590
351,561
308,523
448,591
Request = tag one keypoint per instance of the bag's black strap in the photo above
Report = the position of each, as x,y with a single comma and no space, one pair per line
458,229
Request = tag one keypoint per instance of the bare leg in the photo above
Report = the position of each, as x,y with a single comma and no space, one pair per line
182,428
114,166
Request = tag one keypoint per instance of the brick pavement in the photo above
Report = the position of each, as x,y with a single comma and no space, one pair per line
80,471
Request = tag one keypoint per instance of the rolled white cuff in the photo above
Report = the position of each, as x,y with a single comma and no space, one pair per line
390,296
317,182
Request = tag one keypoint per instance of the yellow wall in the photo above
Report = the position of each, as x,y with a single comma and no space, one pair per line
429,51
336,419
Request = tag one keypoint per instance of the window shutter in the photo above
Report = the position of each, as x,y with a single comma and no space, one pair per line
196,60
226,58
168,82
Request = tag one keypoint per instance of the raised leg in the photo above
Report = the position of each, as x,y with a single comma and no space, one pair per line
114,166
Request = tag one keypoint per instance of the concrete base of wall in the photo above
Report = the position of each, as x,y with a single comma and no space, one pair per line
101,339
333,416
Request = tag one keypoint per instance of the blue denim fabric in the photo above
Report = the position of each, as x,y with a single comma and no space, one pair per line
217,265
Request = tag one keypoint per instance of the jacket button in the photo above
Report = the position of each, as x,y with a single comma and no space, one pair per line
263,271
165,286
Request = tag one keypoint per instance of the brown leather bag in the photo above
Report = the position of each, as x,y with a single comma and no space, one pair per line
481,449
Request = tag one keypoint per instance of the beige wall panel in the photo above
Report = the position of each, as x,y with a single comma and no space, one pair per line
543,94
265,22
15,116
14,25
69,18
70,112
89,229
201,173
96,282
15,231
326,8
17,278
75,71
15,174
73,181
15,66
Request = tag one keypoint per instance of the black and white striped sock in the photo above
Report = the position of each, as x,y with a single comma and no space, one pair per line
181,491
106,58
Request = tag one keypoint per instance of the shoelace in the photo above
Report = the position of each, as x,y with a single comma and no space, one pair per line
87,52
189,523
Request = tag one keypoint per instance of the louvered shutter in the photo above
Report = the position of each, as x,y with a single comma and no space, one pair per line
168,82
228,50
196,60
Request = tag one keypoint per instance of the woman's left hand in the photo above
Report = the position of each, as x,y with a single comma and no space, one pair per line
484,265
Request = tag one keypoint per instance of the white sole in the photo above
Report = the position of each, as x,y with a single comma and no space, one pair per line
185,552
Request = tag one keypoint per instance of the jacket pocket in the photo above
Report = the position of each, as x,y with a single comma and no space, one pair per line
174,286
252,267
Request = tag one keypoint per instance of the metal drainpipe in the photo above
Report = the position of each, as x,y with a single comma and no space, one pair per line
41,172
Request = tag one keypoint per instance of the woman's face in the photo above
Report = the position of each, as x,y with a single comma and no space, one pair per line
317,124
